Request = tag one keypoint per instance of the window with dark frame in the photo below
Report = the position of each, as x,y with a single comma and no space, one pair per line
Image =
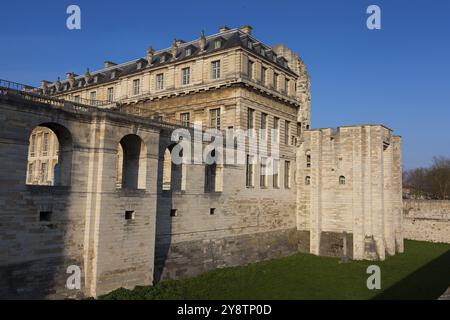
287,174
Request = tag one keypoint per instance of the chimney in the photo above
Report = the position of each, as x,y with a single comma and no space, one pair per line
150,54
174,49
108,64
71,78
246,29
87,76
202,41
223,29
44,85
58,84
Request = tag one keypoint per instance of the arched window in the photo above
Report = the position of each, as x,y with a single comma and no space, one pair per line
172,172
131,163
49,156
307,180
341,180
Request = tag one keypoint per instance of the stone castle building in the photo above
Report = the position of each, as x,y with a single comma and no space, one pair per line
87,178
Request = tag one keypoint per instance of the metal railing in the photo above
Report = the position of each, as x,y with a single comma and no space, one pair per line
155,116
19,87
16,86
30,93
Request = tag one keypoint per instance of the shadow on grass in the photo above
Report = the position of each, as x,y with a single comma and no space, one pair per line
428,282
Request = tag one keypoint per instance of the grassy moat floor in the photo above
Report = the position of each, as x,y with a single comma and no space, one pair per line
422,272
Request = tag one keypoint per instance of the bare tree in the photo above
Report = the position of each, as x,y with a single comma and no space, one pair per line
432,182
440,177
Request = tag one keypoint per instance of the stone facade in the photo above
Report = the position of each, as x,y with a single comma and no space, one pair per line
427,220
350,181
127,216
42,157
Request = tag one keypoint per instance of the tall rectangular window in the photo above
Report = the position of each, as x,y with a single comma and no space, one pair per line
214,118
77,99
250,118
263,74
160,81
93,96
286,85
263,126
250,69
33,145
45,144
215,69
249,171
30,173
275,80
185,119
43,173
186,75
276,170
210,177
287,174
286,132
110,94
276,130
136,87
263,173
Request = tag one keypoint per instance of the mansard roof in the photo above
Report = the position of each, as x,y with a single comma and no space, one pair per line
229,39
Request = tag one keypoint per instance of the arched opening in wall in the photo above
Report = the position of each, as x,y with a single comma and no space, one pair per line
49,156
131,163
342,180
172,172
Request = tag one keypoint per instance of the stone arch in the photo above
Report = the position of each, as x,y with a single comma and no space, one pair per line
50,146
131,163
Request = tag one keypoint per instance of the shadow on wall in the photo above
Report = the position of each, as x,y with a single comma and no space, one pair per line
168,181
39,216
426,283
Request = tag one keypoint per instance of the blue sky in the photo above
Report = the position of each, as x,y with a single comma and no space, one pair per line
398,76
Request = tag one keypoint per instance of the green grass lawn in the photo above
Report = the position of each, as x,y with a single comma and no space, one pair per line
422,272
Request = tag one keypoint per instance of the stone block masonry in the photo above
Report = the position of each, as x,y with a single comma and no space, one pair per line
427,220
122,212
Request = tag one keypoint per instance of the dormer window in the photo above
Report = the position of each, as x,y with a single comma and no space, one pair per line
274,58
140,64
249,45
188,52
80,84
113,74
217,44
163,58
95,79
263,52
